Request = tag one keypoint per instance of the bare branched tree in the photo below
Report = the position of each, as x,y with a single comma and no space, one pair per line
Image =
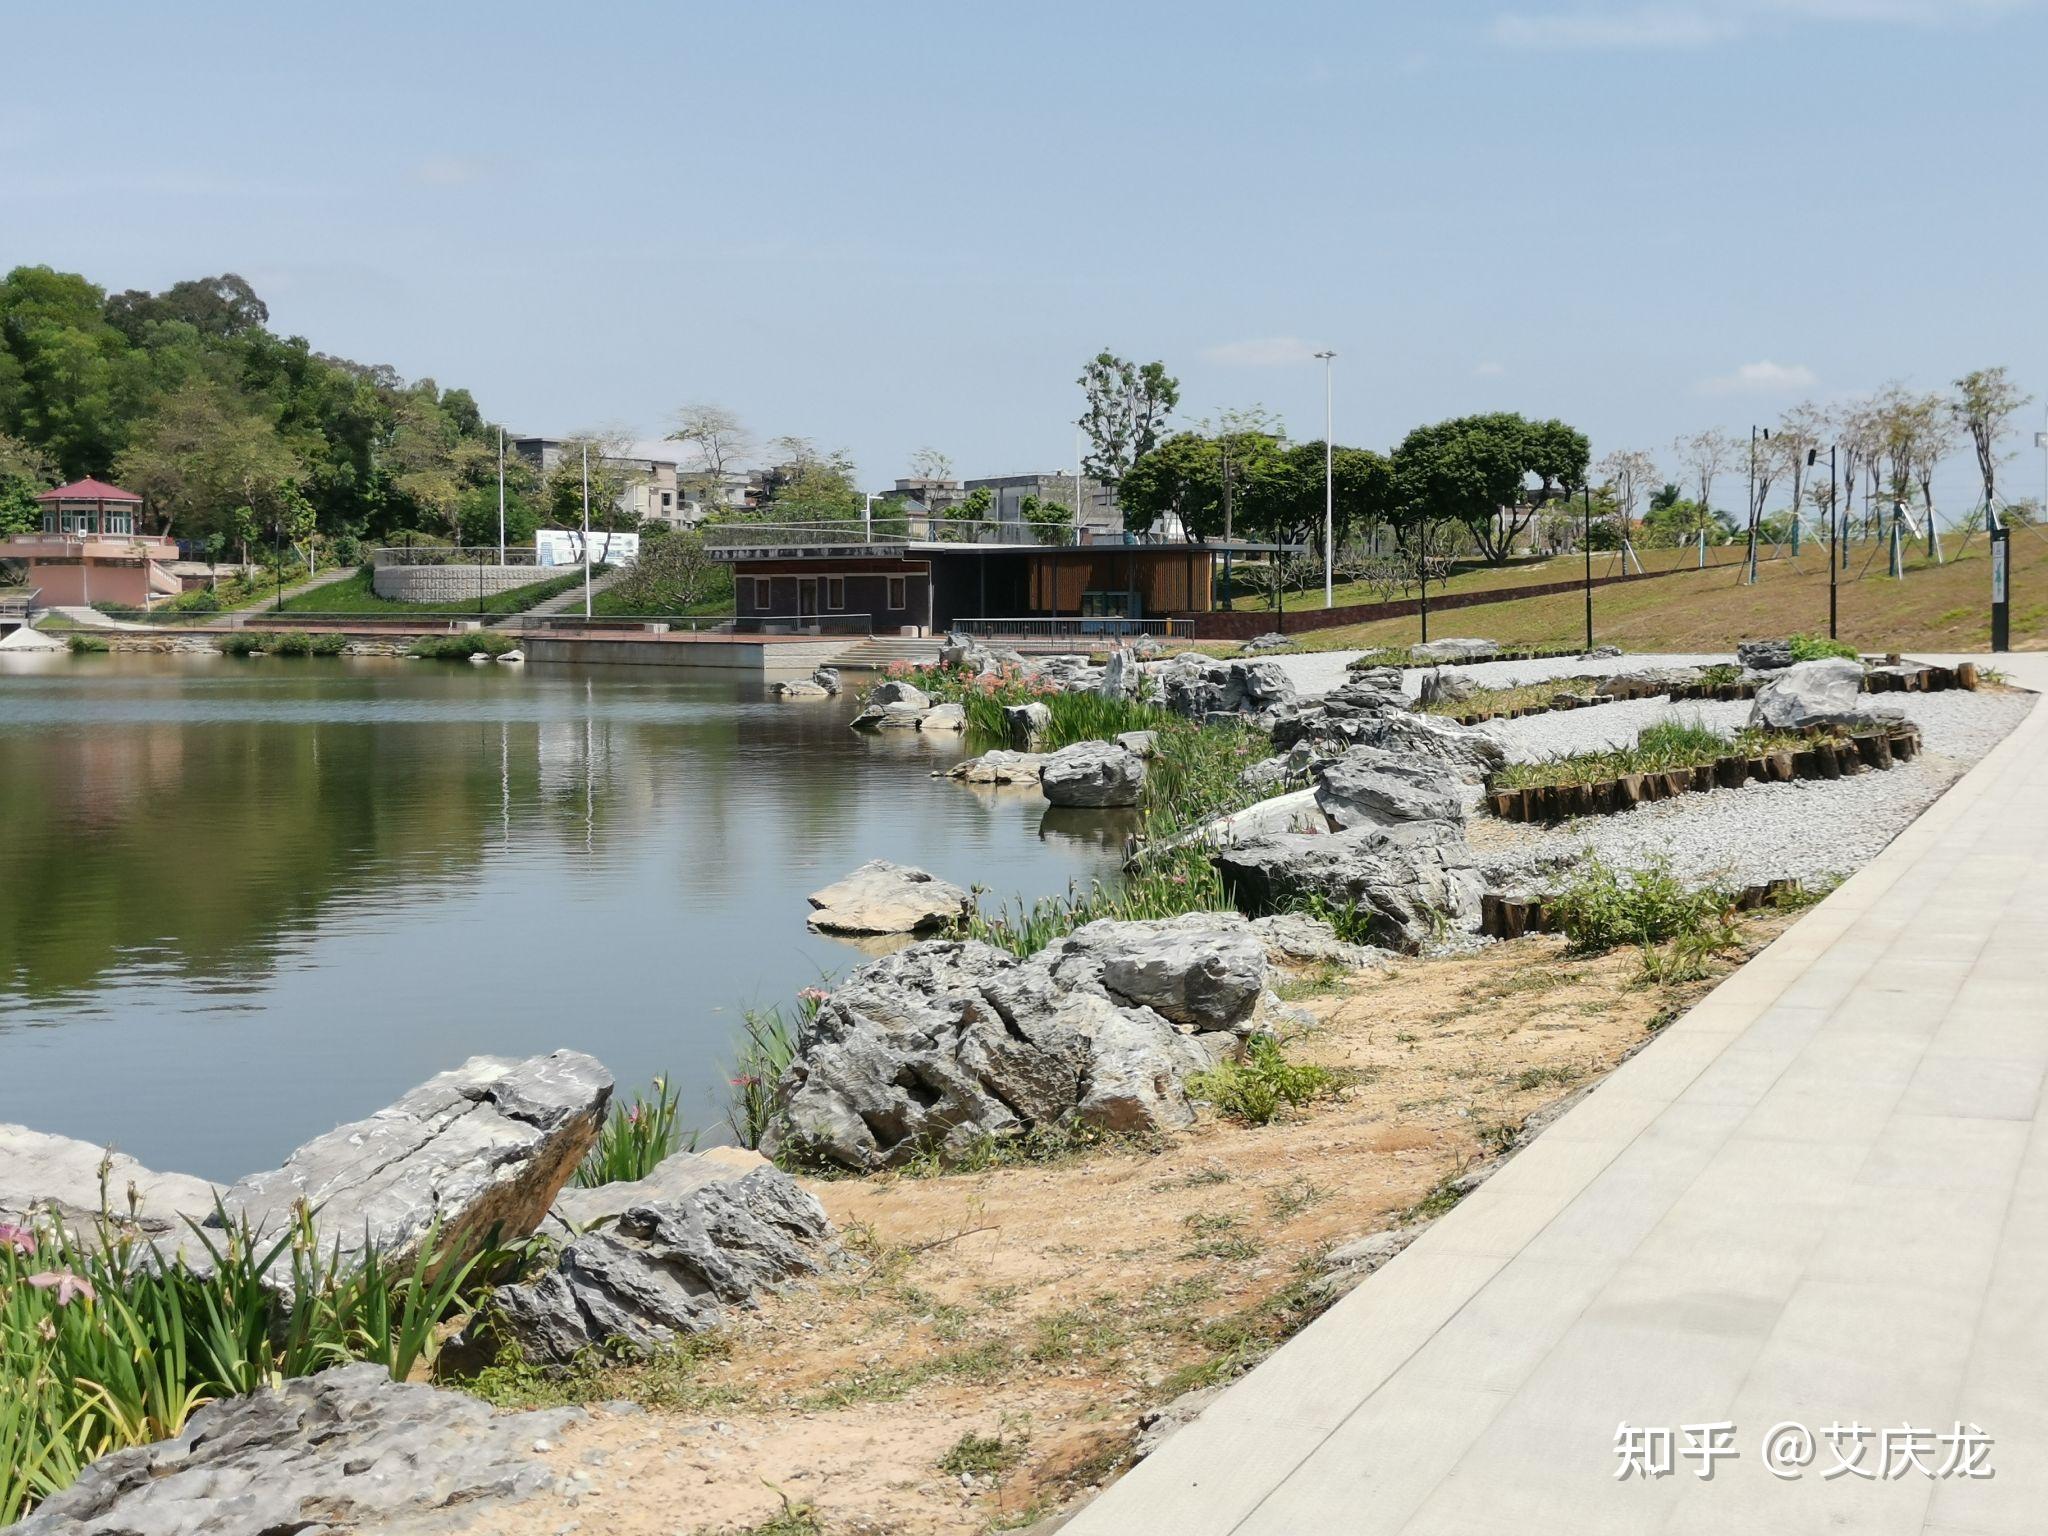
717,435
1984,404
1705,454
1800,431
1629,473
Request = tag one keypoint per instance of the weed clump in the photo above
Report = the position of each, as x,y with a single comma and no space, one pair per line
1256,1088
1604,908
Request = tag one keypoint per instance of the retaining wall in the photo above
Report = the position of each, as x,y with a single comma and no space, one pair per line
454,585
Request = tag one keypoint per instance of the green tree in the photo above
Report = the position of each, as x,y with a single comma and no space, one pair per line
203,455
1125,413
69,382
1475,471
25,471
1050,518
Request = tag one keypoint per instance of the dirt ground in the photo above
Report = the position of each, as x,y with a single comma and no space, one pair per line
983,1356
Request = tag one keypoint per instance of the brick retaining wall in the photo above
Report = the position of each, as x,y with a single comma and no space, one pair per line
454,585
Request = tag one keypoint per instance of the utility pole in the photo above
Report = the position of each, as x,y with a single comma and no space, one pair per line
586,530
501,495
1226,525
1329,484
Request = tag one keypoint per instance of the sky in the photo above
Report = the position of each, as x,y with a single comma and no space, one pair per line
905,225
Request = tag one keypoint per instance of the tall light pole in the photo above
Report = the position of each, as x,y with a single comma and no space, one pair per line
1329,483
586,530
501,495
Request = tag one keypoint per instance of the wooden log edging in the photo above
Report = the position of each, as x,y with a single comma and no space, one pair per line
1509,917
1527,653
1826,757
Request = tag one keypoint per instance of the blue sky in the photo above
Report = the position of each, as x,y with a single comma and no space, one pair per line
893,225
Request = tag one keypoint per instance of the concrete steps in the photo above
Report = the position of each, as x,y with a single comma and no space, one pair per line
878,651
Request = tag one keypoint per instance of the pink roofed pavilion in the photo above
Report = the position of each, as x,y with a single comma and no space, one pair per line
89,550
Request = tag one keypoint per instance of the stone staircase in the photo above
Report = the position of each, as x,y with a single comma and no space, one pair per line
878,651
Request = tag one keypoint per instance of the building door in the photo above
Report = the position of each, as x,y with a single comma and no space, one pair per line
807,597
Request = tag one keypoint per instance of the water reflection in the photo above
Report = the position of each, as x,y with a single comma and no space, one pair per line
243,900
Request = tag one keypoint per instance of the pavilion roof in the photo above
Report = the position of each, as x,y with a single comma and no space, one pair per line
89,489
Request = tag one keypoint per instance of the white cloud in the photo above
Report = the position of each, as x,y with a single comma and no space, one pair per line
1488,370
1701,23
1764,378
1264,352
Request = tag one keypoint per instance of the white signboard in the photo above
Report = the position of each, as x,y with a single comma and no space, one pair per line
564,546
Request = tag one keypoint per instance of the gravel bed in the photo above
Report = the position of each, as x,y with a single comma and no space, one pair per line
1316,672
1808,829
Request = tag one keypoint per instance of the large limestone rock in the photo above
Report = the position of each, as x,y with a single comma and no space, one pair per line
1295,938
1765,655
1092,773
1640,682
646,1261
1808,693
1201,687
1372,787
1026,725
24,640
938,1045
56,1180
801,688
896,691
944,717
1121,677
1455,650
999,767
1410,881
881,897
485,1147
348,1450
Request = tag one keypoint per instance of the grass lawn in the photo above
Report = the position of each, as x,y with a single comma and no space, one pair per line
1936,608
1469,577
354,594
613,602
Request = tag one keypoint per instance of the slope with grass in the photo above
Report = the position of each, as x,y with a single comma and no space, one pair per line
354,594
1936,608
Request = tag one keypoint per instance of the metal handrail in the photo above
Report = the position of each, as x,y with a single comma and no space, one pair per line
892,531
1076,624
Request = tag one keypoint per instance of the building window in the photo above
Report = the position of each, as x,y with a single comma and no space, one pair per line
898,594
668,498
764,593
835,593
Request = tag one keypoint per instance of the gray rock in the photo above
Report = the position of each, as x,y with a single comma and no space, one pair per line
964,653
1441,686
1600,653
1092,773
1201,970
1454,650
1642,681
1201,688
941,1044
1294,811
1272,640
1026,725
1121,677
646,1261
944,717
1295,938
1156,1426
881,897
827,678
1411,882
1765,655
1808,693
801,689
902,717
896,691
1344,1266
483,1148
1465,750
58,1180
1139,743
348,1450
999,767
1370,786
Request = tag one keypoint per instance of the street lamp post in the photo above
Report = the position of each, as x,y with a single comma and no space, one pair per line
501,495
586,530
1586,541
1834,523
1329,483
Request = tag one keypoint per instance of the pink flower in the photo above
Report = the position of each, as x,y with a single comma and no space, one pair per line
633,1115
812,994
65,1284
746,1080
20,1239
899,668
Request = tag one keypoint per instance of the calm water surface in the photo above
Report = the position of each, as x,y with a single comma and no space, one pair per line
241,901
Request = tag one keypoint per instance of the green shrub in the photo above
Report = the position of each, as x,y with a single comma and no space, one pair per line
1818,647
765,1054
296,642
1255,1088
86,645
1604,908
636,1138
480,642
103,1346
241,643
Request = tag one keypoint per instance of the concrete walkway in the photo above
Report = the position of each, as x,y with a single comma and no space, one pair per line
1819,1197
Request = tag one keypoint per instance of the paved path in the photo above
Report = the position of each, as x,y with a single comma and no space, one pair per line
571,601
268,602
1820,1196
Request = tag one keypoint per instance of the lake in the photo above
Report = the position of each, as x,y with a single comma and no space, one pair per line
244,900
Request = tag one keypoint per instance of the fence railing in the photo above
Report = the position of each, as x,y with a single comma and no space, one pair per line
453,554
1074,624
890,532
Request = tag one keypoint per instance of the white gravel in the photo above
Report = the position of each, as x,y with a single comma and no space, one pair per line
1316,672
1808,829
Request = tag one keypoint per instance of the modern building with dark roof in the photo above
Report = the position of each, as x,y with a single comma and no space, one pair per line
925,576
